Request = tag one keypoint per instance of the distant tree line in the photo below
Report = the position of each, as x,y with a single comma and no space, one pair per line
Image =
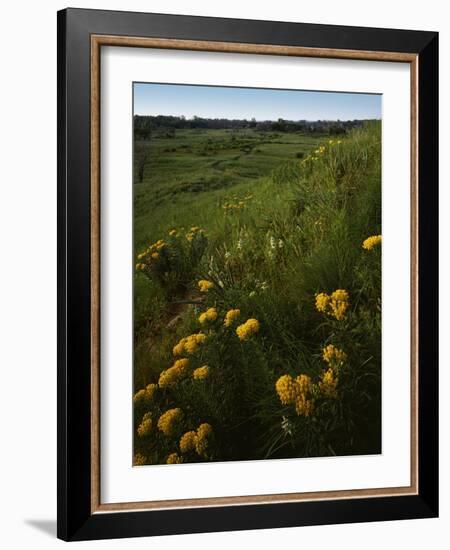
163,125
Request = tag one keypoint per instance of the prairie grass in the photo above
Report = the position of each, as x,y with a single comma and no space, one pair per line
265,223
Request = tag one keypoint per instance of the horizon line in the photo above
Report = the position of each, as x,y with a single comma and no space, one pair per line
262,120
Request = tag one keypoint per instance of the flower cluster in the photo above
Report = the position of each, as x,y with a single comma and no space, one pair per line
194,232
205,285
233,206
204,432
328,383
334,356
371,242
335,304
248,329
189,344
296,391
149,254
237,203
145,427
209,315
320,151
201,373
174,374
139,460
174,458
145,396
197,441
169,421
188,442
231,316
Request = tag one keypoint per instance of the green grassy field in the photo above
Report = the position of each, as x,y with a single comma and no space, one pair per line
269,221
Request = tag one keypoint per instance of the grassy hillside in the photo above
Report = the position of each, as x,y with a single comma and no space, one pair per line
257,307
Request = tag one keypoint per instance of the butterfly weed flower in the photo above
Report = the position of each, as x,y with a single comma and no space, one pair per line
173,374
193,341
145,427
174,458
304,404
209,315
188,442
335,305
371,242
339,303
189,344
169,421
334,356
205,285
204,433
297,392
139,460
145,396
201,373
322,302
286,389
248,329
231,316
328,383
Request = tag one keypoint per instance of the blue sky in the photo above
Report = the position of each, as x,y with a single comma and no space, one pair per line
262,104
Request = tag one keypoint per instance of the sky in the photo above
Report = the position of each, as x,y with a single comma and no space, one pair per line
247,103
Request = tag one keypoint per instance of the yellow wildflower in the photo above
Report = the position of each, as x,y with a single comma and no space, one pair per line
296,392
178,349
248,329
339,303
145,396
140,267
201,373
141,255
333,356
205,285
335,305
204,432
200,338
328,383
169,420
155,255
188,442
173,374
370,242
208,315
174,458
139,459
286,389
231,316
173,232
145,427
189,344
322,302
304,406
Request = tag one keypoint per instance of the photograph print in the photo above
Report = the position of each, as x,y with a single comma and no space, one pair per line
256,274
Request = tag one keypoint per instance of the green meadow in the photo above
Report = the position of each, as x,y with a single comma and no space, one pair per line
257,295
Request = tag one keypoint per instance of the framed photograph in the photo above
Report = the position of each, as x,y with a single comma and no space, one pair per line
248,295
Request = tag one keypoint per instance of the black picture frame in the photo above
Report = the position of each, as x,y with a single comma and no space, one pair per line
75,518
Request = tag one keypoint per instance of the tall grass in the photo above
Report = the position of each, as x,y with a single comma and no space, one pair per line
268,248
